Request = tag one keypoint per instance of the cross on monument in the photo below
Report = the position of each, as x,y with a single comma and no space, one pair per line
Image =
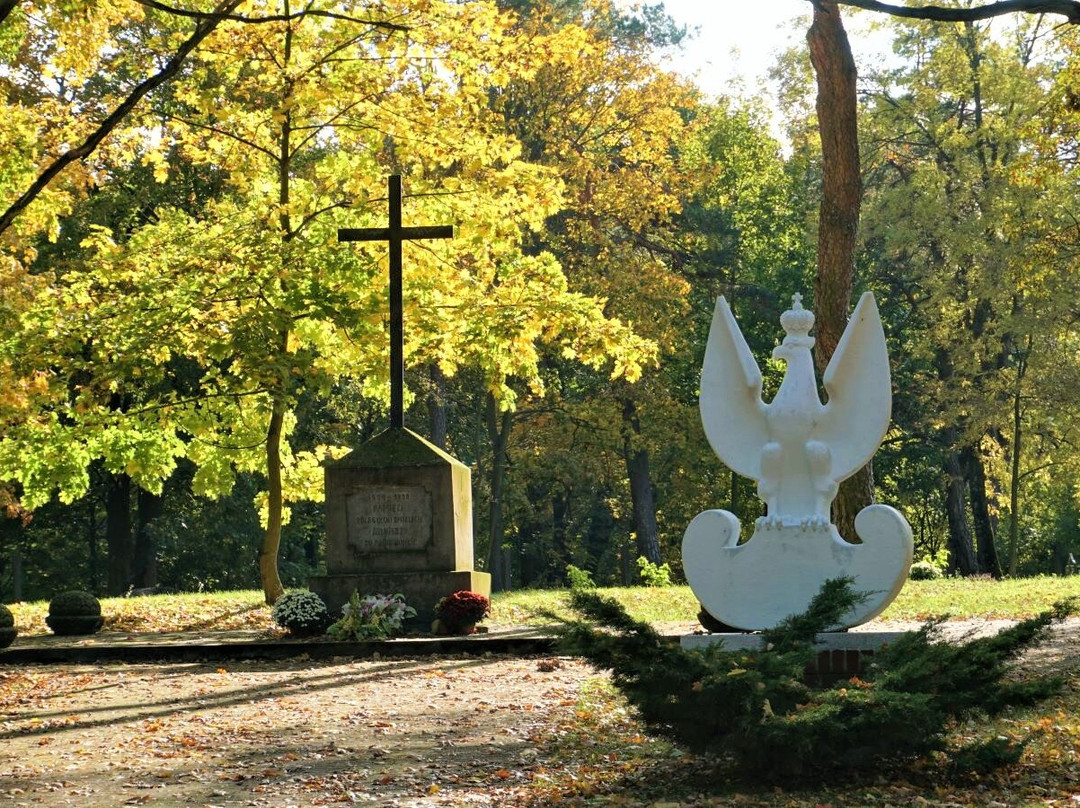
395,234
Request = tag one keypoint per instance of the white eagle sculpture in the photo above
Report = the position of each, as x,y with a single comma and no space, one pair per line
798,450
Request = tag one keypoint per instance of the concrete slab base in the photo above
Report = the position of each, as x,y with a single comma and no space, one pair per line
826,641
840,655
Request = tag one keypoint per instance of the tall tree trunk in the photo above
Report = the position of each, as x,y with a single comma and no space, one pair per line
275,500
646,533
92,544
841,196
626,563
437,406
961,552
560,515
641,494
855,493
498,562
150,507
16,576
1017,453
981,518
1014,482
118,533
268,553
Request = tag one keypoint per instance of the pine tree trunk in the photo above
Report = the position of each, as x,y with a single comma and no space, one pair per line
118,533
856,492
830,53
841,197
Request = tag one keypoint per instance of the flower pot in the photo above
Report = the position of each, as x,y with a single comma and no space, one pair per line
446,628
308,631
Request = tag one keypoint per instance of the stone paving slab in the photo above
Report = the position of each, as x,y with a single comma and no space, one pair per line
203,646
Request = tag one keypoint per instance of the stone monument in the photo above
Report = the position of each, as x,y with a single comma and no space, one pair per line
398,508
798,450
399,520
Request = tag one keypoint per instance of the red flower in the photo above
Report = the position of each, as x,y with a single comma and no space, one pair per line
463,608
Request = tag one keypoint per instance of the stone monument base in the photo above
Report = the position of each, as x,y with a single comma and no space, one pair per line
840,654
423,590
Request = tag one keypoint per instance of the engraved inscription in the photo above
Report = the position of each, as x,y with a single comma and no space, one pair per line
388,518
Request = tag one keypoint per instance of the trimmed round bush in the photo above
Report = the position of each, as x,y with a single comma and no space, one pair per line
73,613
302,613
7,627
924,571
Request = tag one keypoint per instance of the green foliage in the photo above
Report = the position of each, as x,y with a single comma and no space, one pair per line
579,578
755,707
372,617
7,619
924,571
653,574
301,612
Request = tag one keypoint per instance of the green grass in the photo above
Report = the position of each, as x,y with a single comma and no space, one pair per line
959,598
963,598
673,603
193,611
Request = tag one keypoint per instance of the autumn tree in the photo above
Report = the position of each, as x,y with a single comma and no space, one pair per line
305,115
968,209
601,115
831,55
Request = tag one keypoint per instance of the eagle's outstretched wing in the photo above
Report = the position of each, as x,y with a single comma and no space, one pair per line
857,415
731,408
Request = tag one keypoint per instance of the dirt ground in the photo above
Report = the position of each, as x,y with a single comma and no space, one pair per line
458,731
404,732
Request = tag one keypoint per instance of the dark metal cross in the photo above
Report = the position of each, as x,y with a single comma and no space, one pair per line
396,235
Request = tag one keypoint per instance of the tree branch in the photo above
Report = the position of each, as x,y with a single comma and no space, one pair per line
218,15
207,22
83,150
6,7
1070,9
